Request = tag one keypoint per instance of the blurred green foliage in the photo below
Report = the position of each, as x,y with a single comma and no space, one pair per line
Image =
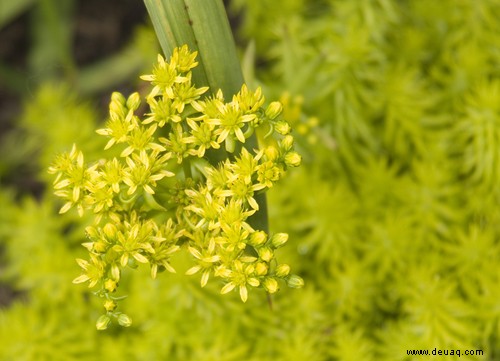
394,216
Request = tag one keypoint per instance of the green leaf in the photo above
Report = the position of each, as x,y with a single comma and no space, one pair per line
203,26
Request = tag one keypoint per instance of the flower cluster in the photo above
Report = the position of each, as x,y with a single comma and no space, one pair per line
183,176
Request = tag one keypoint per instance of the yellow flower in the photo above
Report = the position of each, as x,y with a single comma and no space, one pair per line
241,191
141,139
185,93
76,180
184,59
134,241
112,174
206,262
268,173
144,171
164,76
163,111
241,276
249,101
231,120
93,270
120,123
202,137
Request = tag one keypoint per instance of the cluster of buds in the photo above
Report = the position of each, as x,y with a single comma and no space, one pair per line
182,176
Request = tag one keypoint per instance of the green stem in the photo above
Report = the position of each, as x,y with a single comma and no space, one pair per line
186,164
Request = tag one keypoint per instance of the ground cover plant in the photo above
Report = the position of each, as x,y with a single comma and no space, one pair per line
392,216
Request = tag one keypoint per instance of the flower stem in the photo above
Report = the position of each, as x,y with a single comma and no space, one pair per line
187,169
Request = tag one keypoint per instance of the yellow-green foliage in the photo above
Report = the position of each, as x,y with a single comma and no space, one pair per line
393,217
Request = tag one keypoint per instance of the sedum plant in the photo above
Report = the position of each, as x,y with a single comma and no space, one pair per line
402,209
161,186
393,215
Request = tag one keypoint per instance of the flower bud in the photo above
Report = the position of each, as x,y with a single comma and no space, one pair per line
230,144
271,153
273,110
254,282
99,247
271,285
115,272
110,230
295,281
249,270
266,254
279,239
116,110
110,285
258,238
91,232
261,268
117,97
102,322
282,270
293,159
109,305
133,101
282,127
287,143
124,320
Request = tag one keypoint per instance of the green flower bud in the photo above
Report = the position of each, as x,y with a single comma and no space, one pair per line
282,270
230,144
261,268
124,320
115,272
282,127
254,282
279,239
271,153
271,285
293,159
249,270
273,110
110,230
91,232
109,305
287,143
102,322
99,247
116,111
258,238
133,101
117,97
266,254
110,285
295,281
